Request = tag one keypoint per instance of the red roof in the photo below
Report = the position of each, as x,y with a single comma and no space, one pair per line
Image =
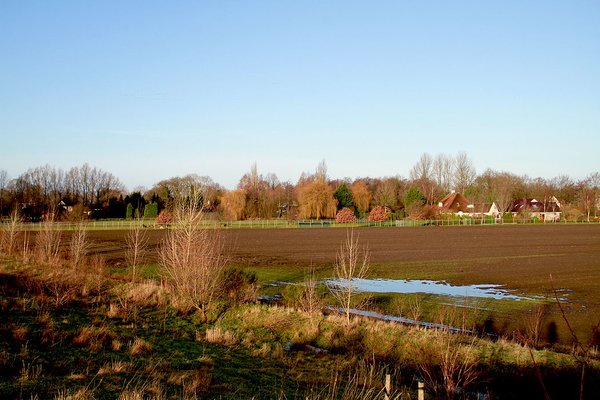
454,203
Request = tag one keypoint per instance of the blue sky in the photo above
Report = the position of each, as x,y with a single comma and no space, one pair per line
150,90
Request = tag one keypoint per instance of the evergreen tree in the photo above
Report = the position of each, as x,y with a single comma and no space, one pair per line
129,212
344,197
413,195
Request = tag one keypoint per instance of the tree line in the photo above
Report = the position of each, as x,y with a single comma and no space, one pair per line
89,192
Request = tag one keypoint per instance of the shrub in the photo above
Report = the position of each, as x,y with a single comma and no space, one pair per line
151,210
164,217
94,337
129,211
192,261
378,214
239,285
345,215
139,347
219,336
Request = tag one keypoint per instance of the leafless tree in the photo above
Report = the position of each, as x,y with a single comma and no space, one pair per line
192,259
422,176
422,169
47,241
321,172
442,169
4,179
10,232
136,245
79,246
589,194
503,188
566,189
351,266
464,172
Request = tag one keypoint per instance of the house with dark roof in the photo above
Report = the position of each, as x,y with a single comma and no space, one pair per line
532,208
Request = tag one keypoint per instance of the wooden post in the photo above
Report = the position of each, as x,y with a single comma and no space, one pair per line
421,391
388,386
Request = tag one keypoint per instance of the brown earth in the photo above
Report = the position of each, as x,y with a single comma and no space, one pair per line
521,258
515,256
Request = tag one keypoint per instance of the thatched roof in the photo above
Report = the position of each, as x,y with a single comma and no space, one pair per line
454,203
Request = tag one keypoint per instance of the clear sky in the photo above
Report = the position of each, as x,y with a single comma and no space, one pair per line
148,90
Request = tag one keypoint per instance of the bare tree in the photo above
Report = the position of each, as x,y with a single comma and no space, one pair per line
4,179
385,195
352,265
464,172
321,172
442,169
47,241
136,245
422,176
422,169
192,259
79,247
589,194
10,231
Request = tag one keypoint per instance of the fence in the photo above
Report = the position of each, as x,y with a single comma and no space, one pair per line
280,223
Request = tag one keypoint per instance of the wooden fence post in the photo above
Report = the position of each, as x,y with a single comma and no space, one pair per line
388,386
421,391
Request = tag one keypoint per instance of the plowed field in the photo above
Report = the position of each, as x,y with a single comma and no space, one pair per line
521,258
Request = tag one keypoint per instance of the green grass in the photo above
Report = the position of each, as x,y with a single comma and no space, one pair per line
88,343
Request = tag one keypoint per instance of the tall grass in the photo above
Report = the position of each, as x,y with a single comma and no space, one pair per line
79,247
47,242
10,232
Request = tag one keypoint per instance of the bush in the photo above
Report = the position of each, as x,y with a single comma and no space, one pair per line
164,217
239,285
129,212
378,214
151,211
344,216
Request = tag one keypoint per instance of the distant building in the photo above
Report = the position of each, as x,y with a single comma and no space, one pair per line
545,211
482,210
454,203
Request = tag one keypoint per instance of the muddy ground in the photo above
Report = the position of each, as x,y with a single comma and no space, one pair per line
516,256
521,258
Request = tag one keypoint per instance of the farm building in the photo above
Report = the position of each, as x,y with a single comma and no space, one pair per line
482,210
546,211
454,203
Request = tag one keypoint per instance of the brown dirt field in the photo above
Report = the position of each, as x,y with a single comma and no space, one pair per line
519,257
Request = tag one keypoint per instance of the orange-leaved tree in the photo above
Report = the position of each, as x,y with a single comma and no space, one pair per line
378,214
317,201
361,195
345,215
234,204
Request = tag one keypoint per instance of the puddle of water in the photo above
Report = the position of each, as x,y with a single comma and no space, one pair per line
429,287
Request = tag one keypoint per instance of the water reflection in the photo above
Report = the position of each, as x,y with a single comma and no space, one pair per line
426,286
